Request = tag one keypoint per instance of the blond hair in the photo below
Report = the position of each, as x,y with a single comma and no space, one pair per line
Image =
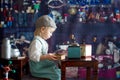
45,21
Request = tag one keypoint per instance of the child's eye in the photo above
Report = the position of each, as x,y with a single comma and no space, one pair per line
51,32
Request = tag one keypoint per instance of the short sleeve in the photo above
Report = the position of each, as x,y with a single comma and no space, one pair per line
35,50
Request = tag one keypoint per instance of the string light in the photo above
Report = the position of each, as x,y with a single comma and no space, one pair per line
89,2
55,3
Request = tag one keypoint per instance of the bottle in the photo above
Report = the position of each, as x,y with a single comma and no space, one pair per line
73,41
6,49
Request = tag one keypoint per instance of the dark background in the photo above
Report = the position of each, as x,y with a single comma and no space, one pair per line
82,31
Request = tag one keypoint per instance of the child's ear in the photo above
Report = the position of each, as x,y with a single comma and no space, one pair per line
42,28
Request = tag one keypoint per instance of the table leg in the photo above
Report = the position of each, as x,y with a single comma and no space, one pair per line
88,76
63,71
21,69
95,73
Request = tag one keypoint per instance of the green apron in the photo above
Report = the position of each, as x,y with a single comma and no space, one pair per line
45,68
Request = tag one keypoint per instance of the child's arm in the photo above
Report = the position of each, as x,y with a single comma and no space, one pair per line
49,56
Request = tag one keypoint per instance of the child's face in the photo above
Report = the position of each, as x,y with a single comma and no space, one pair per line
46,32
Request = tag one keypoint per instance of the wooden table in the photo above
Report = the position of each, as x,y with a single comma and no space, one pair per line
17,64
88,64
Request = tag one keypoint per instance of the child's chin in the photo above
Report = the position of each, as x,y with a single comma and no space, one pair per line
47,38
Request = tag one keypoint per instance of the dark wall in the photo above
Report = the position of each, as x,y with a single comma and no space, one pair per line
84,32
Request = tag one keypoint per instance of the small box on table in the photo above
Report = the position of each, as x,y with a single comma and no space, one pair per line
74,52
86,50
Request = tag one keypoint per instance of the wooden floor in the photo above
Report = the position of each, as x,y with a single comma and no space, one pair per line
28,77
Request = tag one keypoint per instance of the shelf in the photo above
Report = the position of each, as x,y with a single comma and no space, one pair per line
17,29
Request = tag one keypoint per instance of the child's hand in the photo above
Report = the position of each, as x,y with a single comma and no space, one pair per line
51,56
60,52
